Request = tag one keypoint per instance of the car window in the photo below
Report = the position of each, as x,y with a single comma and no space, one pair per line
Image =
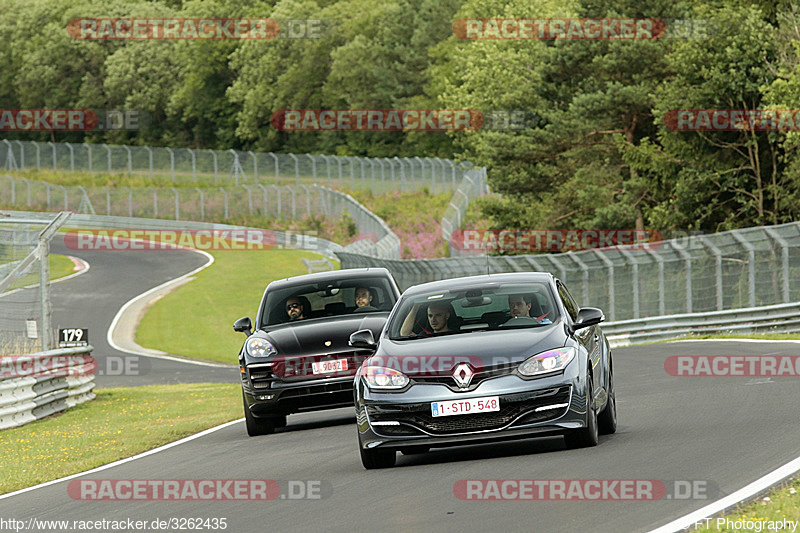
325,299
477,308
569,303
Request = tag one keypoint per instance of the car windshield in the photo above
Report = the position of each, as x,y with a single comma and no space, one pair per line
479,308
327,298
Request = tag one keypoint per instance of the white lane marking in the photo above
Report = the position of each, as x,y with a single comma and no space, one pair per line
118,316
737,340
750,490
123,461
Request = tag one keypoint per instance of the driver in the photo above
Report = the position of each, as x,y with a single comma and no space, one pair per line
295,309
519,305
439,314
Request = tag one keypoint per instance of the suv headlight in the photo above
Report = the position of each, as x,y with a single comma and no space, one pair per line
382,378
547,362
258,347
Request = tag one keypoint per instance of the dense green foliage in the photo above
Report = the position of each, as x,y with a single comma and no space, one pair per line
598,155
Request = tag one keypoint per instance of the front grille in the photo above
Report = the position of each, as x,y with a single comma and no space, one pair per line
477,379
518,409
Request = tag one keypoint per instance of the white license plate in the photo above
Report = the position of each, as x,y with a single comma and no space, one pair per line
470,406
329,367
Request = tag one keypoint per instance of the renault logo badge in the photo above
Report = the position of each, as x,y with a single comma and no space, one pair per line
462,374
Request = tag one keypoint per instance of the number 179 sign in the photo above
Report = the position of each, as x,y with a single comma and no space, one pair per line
71,337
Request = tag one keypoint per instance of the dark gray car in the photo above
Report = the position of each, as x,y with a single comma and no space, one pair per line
479,359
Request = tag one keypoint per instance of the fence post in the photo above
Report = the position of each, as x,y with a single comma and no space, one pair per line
108,201
155,202
130,160
410,166
611,299
662,306
294,203
402,174
278,189
751,257
277,176
149,159
38,155
296,169
327,166
55,155
21,154
339,161
108,153
177,203
71,157
372,170
202,203
214,155
784,259
225,196
687,258
171,164
717,268
89,149
421,169
263,199
308,199
635,264
13,190
255,166
236,166
28,184
130,202
194,165
313,167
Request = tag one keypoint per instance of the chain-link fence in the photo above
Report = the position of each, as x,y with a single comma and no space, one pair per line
24,283
472,185
700,273
206,168
201,204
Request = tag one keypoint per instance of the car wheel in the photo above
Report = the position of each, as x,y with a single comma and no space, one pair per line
372,459
587,436
256,427
415,450
607,420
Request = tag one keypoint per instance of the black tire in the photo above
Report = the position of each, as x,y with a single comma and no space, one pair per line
414,450
607,420
588,436
256,427
372,459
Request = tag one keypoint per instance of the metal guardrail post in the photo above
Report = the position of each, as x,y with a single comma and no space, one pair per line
44,275
784,260
611,296
717,268
751,256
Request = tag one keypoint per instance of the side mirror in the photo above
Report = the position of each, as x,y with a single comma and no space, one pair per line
243,325
588,316
363,338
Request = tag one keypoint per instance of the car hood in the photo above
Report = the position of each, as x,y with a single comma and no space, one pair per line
484,348
309,337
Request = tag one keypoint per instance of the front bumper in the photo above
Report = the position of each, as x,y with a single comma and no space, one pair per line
527,408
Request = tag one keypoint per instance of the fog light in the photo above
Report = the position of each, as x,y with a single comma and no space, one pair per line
265,397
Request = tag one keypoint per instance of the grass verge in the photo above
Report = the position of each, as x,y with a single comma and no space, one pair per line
782,504
60,266
196,319
119,423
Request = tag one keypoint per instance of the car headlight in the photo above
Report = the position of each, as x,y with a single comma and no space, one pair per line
258,347
547,362
382,378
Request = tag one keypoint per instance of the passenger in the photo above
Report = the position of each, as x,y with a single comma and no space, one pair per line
363,297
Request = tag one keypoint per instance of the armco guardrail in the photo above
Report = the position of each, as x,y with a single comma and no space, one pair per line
38,385
781,318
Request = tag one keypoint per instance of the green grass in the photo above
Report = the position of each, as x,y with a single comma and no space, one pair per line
119,423
60,266
782,504
195,320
